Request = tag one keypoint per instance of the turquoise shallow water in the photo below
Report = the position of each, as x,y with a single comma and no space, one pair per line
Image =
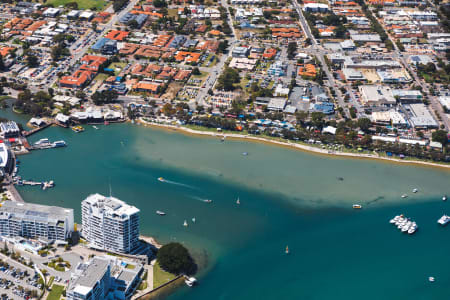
287,198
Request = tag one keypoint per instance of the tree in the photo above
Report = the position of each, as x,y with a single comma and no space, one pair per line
133,24
119,4
440,136
2,64
340,31
292,48
104,97
175,258
226,80
223,45
159,3
364,124
32,61
317,119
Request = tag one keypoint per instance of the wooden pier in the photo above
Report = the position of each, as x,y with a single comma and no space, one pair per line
33,131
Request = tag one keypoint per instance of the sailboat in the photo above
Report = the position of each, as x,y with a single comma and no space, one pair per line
287,250
238,201
185,224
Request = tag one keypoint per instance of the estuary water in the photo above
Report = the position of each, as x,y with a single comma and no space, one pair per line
288,198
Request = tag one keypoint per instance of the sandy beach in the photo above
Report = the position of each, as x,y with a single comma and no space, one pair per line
298,146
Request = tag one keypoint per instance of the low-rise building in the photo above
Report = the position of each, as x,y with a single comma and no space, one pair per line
420,116
377,95
9,129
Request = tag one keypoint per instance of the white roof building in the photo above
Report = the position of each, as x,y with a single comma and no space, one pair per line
388,117
376,95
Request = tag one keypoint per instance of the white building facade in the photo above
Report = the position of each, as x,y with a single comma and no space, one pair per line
110,224
50,223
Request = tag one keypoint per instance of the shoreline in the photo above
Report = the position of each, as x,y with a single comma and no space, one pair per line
290,145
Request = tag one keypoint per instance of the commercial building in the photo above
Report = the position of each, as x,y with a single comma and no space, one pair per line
420,116
240,52
376,95
46,223
315,7
51,12
110,224
9,129
408,96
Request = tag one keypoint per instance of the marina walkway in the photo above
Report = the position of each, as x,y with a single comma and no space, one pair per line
15,194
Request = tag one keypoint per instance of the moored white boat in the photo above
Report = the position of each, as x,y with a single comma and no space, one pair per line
190,281
59,144
444,220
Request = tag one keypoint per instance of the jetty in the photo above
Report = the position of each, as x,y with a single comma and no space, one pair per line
37,129
44,184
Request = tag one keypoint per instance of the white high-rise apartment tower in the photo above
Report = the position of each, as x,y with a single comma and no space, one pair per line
110,224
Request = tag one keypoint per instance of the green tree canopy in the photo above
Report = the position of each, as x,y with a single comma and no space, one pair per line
440,136
175,258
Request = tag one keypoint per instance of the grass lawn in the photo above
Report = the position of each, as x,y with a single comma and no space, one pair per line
160,276
82,4
172,12
56,292
212,64
101,77
119,65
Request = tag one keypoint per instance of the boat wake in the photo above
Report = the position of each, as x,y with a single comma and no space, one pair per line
201,199
179,184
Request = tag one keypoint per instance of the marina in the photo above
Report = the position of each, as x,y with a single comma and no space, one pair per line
404,224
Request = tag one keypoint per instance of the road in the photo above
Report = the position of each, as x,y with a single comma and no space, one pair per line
319,52
215,71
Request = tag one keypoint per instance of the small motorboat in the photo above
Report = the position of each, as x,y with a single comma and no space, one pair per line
238,201
357,206
161,213
161,179
185,224
444,198
190,281
431,279
207,201
415,190
444,220
404,196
